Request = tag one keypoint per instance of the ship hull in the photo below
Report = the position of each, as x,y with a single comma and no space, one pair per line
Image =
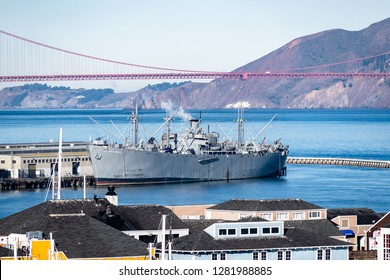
122,166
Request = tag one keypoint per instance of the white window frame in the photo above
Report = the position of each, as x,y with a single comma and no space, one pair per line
320,255
298,216
219,256
266,216
282,255
282,216
324,254
316,216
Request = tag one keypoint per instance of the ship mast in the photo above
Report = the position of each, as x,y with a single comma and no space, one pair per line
240,128
134,121
59,166
168,129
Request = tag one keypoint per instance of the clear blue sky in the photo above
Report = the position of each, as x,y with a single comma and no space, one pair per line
218,35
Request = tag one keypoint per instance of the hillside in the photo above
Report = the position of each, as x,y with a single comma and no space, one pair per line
321,48
325,47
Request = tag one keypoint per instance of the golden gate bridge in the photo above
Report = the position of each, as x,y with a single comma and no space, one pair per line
25,60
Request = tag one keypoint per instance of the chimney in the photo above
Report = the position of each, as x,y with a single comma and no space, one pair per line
111,196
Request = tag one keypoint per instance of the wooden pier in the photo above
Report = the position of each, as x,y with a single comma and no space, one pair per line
42,182
339,161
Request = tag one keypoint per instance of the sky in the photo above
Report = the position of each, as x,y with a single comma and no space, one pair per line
212,35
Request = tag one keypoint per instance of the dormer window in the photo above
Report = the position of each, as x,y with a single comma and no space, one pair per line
224,231
270,230
248,231
245,229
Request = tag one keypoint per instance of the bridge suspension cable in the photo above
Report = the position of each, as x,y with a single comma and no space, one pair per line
23,59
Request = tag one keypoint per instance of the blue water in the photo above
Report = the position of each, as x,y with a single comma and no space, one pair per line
317,133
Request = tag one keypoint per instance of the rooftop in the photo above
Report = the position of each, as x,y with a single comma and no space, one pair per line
365,216
265,205
297,234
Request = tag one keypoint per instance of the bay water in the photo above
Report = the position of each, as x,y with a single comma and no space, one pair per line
362,134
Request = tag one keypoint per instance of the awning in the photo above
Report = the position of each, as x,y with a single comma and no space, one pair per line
348,233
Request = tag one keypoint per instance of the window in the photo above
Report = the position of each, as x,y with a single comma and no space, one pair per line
222,232
315,215
298,216
263,256
319,254
266,230
327,254
243,215
231,231
2,161
286,254
386,246
214,256
255,256
344,223
275,230
266,216
281,216
252,231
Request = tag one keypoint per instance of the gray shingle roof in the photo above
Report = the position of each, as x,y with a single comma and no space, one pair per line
85,237
96,237
33,218
148,217
265,205
365,216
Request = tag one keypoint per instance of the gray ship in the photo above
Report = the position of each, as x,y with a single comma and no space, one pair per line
191,156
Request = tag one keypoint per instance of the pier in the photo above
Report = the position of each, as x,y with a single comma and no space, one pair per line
42,182
339,161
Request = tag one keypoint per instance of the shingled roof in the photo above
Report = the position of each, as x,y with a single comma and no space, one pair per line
148,217
33,218
265,205
81,236
365,216
80,228
297,235
139,217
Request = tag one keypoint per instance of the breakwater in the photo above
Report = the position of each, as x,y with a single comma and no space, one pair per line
339,161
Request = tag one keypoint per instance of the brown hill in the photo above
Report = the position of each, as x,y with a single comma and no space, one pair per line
322,48
326,47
